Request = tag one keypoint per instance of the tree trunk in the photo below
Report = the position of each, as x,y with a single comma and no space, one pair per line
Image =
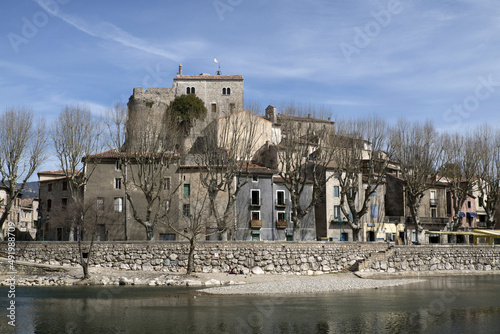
190,266
356,234
149,232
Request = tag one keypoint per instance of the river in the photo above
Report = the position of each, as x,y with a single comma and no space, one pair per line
468,304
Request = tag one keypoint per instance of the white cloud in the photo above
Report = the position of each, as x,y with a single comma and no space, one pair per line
110,32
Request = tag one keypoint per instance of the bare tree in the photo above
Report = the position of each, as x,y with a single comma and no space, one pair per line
360,165
417,150
305,151
226,150
192,223
77,134
22,150
488,176
149,159
460,170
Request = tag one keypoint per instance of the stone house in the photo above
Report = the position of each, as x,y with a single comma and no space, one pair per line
55,199
108,210
468,217
263,208
28,219
432,212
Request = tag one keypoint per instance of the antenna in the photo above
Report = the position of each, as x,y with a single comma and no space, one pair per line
218,62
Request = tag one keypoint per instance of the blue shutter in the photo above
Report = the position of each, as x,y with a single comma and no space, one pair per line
374,210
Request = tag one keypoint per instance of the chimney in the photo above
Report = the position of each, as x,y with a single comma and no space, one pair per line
271,113
180,71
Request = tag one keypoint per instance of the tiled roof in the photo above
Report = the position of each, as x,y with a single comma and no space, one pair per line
281,117
114,154
209,77
244,111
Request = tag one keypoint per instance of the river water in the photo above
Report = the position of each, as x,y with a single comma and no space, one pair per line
469,304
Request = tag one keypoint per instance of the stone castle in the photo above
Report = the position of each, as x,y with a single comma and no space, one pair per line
222,95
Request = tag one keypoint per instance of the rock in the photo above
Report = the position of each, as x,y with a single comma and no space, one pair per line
257,271
212,282
193,283
124,266
269,267
147,267
173,257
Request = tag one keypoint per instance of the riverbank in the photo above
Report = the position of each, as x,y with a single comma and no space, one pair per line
213,283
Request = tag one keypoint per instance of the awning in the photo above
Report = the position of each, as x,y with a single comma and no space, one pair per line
471,214
461,214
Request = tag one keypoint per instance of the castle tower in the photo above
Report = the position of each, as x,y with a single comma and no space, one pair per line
222,95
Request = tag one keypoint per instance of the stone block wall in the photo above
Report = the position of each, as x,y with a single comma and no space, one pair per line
259,257
434,258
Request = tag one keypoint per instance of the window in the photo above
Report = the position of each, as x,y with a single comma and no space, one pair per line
166,205
469,204
255,196
166,183
49,205
433,212
190,90
282,216
255,215
433,194
187,189
100,203
226,91
65,185
118,183
64,204
223,91
280,197
336,213
167,236
255,178
186,210
481,202
49,187
374,211
214,107
118,204
335,191
118,165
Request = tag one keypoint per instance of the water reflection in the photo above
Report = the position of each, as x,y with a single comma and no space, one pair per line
439,305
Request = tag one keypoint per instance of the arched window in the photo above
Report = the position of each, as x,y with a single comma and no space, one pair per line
223,91
192,90
229,91
188,90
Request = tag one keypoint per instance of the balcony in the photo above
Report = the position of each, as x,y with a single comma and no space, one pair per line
429,220
281,224
433,202
256,223
255,201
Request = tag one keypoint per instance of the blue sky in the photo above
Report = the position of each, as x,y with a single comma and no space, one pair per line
418,59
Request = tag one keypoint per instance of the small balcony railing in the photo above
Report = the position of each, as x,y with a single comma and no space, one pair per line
256,223
433,202
281,224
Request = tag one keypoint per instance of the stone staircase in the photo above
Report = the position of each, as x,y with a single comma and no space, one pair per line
368,262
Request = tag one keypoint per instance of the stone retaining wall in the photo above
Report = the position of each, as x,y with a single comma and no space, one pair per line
259,257
434,258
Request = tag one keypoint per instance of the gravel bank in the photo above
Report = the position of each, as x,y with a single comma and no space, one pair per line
308,284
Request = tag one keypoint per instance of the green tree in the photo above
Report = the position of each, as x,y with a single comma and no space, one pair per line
185,109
